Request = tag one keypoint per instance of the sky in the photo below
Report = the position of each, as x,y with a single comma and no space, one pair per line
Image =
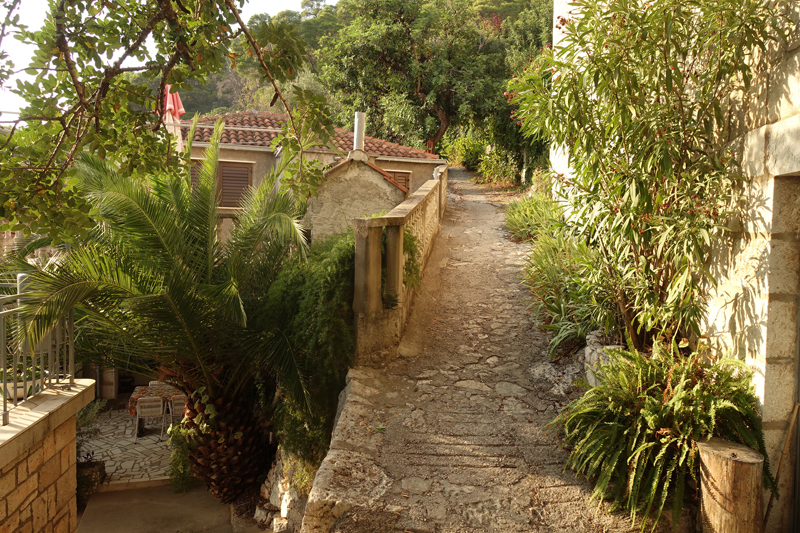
33,12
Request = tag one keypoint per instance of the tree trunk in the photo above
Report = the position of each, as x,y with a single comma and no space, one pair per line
731,485
444,123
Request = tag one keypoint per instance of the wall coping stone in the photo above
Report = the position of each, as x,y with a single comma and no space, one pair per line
34,418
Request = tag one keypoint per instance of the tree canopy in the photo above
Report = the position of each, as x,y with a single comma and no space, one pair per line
82,100
416,62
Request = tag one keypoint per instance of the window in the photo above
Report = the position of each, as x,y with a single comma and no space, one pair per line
233,179
401,177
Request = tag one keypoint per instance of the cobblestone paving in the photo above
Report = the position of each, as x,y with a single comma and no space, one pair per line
451,435
147,460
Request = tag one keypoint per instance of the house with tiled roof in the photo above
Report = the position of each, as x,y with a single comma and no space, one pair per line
248,136
389,170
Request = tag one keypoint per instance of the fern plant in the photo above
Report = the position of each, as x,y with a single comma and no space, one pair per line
636,433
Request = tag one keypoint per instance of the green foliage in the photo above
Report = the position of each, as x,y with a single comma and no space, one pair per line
499,165
153,286
652,186
311,302
636,433
83,98
303,435
531,215
434,55
86,427
465,150
567,287
413,258
179,469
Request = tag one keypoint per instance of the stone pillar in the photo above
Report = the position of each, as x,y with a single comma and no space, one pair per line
395,260
367,299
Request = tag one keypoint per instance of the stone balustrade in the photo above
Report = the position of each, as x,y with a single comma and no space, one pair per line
377,327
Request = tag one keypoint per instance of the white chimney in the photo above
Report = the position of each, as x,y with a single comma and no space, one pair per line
358,130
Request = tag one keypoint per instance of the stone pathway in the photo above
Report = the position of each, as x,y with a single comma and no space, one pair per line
451,435
130,465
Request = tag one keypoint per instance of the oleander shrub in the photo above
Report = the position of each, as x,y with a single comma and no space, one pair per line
635,95
635,434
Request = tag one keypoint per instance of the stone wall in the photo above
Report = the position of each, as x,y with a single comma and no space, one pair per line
753,313
37,462
379,327
37,488
350,191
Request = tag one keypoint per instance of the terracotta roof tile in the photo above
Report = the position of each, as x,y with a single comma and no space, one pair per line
237,132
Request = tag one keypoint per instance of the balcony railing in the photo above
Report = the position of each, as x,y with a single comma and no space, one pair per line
27,372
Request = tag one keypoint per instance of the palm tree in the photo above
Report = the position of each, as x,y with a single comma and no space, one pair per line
157,288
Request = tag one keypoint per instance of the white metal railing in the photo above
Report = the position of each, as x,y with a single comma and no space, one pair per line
27,372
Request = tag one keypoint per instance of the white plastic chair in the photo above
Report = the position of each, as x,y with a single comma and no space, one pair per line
149,408
176,406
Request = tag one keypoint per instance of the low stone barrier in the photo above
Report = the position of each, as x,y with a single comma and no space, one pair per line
37,461
379,326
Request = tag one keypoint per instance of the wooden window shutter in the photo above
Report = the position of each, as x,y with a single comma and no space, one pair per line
194,171
234,180
401,177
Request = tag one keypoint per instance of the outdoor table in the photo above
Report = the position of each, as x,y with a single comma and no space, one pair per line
163,391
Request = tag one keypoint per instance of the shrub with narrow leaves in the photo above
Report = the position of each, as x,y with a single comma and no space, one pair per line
636,433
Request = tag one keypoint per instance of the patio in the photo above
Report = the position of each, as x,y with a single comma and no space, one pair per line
129,465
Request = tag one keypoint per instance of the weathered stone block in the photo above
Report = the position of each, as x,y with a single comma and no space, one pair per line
73,513
784,88
779,392
35,459
22,470
49,472
52,509
595,353
757,114
66,487
786,208
782,154
40,514
27,527
781,329
7,484
329,500
784,267
49,446
11,524
19,494
67,456
62,524
65,433
753,152
11,466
